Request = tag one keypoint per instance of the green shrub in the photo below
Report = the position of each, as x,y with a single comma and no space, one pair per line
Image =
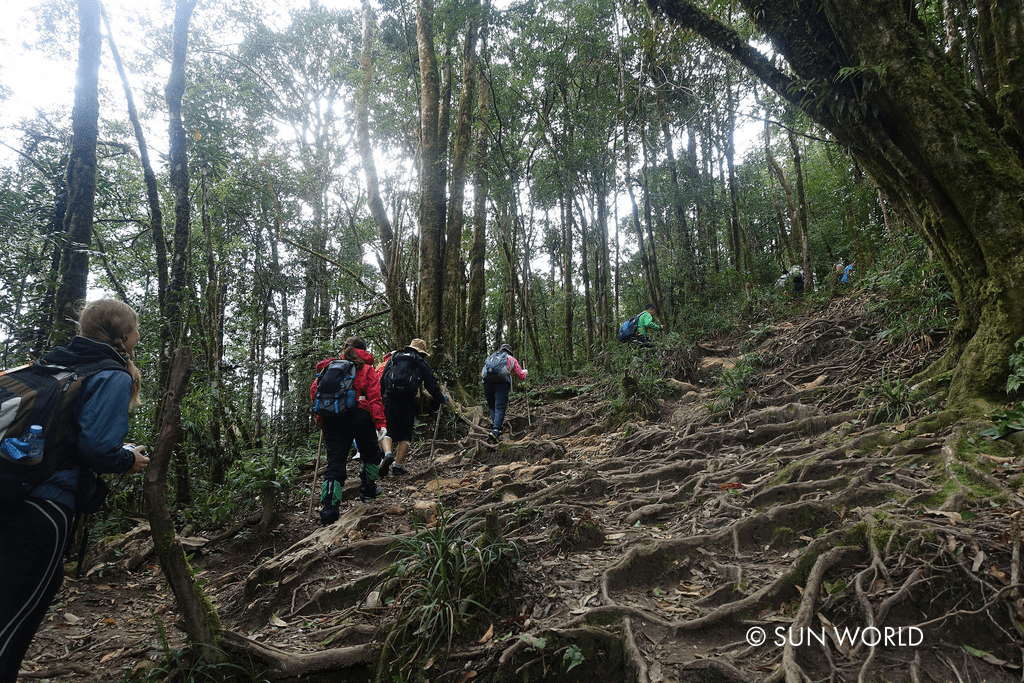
443,579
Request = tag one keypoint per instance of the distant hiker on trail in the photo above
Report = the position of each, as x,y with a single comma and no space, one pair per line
85,436
783,279
848,273
635,329
797,273
645,323
400,383
497,374
347,405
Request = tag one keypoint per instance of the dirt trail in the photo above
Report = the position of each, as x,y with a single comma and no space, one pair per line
788,534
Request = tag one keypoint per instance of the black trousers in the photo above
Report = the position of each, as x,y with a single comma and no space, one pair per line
33,536
339,431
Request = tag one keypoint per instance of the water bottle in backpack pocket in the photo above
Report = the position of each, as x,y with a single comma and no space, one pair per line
25,451
335,389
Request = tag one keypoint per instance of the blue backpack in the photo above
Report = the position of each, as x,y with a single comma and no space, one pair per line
629,329
336,388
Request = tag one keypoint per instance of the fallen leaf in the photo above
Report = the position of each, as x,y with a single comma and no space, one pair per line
487,636
109,620
111,655
978,559
466,675
71,618
951,516
277,621
990,658
999,575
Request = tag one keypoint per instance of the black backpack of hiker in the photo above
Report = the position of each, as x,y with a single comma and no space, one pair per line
401,375
44,395
336,388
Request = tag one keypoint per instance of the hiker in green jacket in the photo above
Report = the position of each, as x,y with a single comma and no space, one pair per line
646,322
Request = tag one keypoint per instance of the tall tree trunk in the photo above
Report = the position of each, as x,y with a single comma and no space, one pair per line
655,286
805,244
568,291
588,299
730,161
81,175
403,317
477,338
179,179
431,215
794,214
455,347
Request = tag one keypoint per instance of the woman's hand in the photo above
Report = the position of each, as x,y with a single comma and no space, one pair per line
141,459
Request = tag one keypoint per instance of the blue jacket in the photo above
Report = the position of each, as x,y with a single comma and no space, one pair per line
102,421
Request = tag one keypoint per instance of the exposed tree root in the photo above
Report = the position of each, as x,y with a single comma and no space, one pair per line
800,516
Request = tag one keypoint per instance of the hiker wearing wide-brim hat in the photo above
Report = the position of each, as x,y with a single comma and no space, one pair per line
419,346
399,385
497,374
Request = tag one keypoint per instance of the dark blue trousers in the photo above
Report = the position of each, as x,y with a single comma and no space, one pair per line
496,394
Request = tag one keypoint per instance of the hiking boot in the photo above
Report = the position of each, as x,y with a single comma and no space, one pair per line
329,515
495,436
357,456
378,491
385,466
398,470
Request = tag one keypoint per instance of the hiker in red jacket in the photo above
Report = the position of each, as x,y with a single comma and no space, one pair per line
365,423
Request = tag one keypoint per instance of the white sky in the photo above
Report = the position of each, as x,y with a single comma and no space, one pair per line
36,79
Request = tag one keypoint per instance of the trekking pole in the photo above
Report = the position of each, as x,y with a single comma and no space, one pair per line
437,425
312,490
529,420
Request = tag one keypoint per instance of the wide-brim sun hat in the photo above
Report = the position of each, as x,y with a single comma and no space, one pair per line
420,346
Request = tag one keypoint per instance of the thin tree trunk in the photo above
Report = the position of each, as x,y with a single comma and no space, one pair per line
802,213
455,347
476,342
149,177
200,618
568,292
730,160
794,216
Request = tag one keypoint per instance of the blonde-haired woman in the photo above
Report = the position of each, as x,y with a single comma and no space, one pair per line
34,532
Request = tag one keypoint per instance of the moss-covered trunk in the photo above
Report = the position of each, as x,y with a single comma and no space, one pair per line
947,154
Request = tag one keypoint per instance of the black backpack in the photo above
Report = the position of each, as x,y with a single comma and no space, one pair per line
336,388
46,395
496,368
402,375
